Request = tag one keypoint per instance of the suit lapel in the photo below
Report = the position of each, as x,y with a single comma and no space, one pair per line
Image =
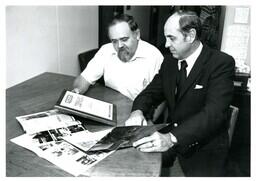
195,71
173,72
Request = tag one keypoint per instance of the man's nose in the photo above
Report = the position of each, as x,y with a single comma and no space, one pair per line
167,44
120,44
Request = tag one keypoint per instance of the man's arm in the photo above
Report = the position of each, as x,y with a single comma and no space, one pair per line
150,97
210,119
158,111
93,71
80,85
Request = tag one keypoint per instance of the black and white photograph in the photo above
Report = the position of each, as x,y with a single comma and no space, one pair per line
183,69
86,160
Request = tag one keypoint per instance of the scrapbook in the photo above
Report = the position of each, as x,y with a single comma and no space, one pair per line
87,107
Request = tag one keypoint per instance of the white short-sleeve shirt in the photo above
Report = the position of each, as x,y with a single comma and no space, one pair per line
129,78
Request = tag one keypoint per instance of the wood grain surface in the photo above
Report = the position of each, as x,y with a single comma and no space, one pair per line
41,93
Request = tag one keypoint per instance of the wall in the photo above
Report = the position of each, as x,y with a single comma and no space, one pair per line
236,34
142,16
47,39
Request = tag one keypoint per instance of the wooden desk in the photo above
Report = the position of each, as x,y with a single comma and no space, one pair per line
41,93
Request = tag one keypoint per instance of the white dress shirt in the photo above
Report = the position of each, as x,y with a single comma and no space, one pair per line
129,78
191,59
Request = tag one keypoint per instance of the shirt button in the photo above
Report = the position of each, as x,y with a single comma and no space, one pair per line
175,124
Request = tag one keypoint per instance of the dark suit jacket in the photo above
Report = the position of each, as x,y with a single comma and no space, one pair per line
198,117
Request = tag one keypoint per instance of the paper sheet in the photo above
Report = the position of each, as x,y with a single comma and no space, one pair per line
67,155
46,120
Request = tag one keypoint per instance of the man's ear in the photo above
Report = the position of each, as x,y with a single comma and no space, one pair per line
137,32
191,36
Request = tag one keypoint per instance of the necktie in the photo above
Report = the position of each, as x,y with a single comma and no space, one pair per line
182,76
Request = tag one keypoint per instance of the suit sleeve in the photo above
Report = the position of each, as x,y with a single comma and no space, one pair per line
151,96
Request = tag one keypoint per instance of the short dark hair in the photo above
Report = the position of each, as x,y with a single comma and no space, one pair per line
189,20
124,18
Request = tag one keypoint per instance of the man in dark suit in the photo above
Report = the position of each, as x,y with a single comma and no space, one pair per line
198,96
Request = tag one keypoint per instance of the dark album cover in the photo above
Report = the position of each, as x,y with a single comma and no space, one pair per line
124,136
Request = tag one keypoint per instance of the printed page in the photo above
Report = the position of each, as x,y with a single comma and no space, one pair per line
71,159
87,105
40,141
46,120
26,141
63,154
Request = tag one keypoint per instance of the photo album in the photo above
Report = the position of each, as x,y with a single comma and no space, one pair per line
87,107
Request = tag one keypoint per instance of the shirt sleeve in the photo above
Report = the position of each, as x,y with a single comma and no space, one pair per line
158,60
95,67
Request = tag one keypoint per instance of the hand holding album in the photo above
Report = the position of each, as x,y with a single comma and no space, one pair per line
124,136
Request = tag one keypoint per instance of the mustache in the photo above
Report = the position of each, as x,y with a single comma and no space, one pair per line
122,49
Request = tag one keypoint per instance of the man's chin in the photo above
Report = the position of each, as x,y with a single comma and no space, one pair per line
124,58
175,55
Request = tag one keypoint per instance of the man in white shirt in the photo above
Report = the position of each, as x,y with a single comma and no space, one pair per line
128,63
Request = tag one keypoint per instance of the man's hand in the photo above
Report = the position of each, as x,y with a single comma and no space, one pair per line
157,142
76,90
136,118
80,85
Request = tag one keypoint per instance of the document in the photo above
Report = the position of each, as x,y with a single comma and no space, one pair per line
71,159
242,15
45,128
62,140
63,154
46,120
87,107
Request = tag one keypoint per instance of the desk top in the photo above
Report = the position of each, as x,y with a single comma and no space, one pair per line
41,93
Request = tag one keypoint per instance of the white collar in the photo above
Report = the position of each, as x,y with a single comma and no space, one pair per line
191,59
